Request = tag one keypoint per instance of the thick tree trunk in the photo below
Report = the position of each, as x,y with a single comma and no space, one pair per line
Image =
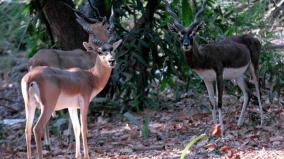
64,27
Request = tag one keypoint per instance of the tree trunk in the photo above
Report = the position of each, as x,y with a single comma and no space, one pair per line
64,27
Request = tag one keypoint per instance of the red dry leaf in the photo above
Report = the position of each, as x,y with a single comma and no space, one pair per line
225,149
237,156
230,152
216,130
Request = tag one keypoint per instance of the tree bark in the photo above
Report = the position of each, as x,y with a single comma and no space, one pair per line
63,24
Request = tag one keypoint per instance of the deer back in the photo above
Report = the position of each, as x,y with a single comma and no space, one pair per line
253,44
63,59
228,54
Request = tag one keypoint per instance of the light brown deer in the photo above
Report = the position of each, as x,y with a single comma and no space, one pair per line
225,60
55,89
62,59
99,32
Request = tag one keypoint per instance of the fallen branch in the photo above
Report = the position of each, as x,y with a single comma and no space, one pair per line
275,47
8,107
154,147
269,12
9,100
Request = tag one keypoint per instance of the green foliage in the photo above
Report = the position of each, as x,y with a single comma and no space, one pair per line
145,128
21,30
187,12
152,57
13,25
163,62
272,71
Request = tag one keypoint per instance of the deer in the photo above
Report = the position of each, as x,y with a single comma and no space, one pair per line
62,59
55,89
98,29
218,61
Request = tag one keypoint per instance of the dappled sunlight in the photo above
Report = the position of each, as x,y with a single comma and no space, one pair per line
263,153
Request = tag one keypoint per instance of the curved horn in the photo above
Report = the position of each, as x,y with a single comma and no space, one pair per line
85,24
111,29
111,21
198,15
176,23
96,41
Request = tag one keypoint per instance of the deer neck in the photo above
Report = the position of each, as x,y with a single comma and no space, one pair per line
101,74
193,57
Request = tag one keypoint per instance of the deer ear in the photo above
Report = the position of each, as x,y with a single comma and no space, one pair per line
201,26
198,27
87,46
99,50
116,44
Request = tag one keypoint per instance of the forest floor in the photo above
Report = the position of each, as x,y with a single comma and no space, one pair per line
170,128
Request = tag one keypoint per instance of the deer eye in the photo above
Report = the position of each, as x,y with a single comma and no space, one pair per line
100,52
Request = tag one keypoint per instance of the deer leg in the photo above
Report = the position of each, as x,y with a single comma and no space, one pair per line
76,127
256,83
69,131
46,135
242,84
46,138
30,113
219,93
40,126
210,89
83,116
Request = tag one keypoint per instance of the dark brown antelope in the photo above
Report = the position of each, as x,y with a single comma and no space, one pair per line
225,60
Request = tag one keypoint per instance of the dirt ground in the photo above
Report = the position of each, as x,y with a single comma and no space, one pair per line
170,128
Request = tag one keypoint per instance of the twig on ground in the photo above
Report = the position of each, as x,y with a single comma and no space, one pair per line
8,107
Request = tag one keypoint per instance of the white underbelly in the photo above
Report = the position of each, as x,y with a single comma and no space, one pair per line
228,73
67,101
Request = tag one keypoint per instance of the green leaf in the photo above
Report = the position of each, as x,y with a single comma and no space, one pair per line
140,59
146,129
186,12
107,5
191,143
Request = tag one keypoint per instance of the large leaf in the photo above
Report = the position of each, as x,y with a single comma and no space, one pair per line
186,12
107,5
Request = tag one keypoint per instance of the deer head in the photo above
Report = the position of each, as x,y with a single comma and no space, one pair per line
99,29
186,34
106,51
